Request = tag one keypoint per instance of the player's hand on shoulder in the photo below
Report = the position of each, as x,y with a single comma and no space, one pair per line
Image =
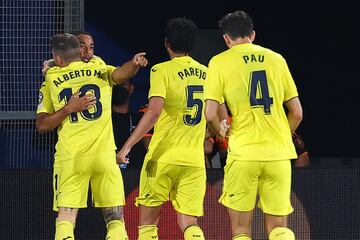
140,60
46,65
78,104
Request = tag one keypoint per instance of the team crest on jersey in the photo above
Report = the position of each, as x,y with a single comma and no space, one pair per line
40,97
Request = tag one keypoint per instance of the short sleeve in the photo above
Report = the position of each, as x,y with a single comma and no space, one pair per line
44,102
157,82
214,84
290,90
110,69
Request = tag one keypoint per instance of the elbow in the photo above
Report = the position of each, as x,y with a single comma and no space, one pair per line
209,116
41,128
153,115
298,115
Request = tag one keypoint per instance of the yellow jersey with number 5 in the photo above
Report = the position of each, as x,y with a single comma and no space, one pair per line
179,132
255,82
87,131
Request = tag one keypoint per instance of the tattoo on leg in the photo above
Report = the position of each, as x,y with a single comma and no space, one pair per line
66,209
113,213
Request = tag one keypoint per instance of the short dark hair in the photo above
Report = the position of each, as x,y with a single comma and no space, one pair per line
81,32
181,34
237,24
66,45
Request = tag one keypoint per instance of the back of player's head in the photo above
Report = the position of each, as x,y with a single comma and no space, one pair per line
65,45
237,24
180,33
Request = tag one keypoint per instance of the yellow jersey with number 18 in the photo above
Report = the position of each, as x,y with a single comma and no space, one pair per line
255,82
87,131
179,132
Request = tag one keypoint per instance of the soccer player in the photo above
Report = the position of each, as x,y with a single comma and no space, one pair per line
255,83
76,98
87,45
174,166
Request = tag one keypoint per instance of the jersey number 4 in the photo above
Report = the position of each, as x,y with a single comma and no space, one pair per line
258,81
66,93
193,102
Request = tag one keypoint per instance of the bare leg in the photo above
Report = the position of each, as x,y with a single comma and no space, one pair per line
65,223
185,220
272,221
149,215
240,222
114,219
113,213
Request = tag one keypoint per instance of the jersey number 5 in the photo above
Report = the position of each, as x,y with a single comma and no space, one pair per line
66,93
258,79
193,102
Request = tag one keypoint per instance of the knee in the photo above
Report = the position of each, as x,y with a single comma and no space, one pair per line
281,233
67,214
113,213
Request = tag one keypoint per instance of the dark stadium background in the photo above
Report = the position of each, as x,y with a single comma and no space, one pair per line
318,40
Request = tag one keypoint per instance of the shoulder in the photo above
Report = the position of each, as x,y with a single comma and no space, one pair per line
161,66
198,65
53,70
271,53
218,58
97,60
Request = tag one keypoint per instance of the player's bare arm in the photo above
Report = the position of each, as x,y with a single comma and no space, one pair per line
212,119
222,112
146,123
46,122
224,120
295,113
130,68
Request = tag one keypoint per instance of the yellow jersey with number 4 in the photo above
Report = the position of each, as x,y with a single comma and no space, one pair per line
255,82
87,131
180,130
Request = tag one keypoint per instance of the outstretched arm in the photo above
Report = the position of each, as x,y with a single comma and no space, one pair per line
146,123
130,68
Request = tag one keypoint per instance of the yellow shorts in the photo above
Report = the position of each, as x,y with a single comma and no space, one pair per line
71,179
184,185
271,180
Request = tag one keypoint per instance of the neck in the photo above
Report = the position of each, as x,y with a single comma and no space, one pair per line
121,108
239,41
173,54
68,61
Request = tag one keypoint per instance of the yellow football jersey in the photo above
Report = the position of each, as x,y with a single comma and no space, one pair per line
255,82
87,131
180,130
